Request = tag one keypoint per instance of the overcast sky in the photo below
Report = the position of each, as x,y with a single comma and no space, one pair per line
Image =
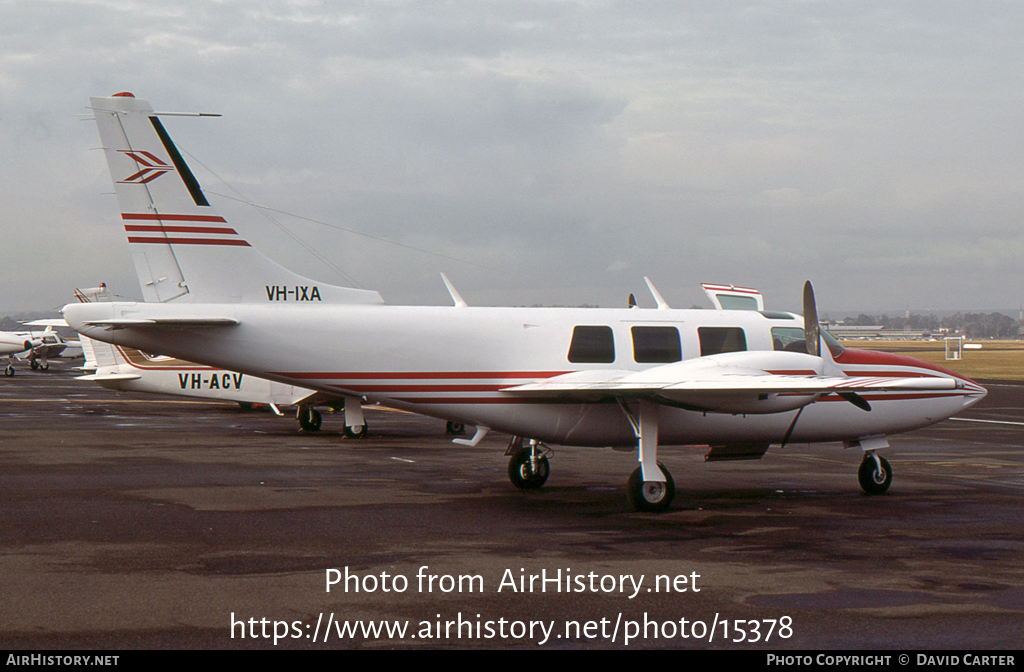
565,149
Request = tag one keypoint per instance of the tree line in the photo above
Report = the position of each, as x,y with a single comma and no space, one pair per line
971,325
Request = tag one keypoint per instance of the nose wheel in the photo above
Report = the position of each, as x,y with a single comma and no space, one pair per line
875,474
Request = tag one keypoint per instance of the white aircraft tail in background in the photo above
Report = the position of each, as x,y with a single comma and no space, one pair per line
125,369
732,381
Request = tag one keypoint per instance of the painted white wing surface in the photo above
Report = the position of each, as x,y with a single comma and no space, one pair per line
746,382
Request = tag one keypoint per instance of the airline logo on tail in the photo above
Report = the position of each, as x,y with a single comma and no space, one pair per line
150,167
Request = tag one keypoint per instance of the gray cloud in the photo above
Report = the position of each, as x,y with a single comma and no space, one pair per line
562,147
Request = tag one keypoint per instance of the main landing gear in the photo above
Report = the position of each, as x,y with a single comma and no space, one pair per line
528,468
650,487
650,496
355,425
310,419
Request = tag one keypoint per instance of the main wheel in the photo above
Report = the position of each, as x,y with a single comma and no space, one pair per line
9,371
650,496
310,420
453,428
34,364
356,432
527,473
873,481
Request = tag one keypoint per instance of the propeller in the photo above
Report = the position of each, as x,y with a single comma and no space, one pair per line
811,332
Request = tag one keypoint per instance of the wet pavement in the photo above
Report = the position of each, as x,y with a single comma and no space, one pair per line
148,522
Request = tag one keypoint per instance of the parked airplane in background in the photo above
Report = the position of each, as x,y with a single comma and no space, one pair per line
14,343
36,347
126,369
728,379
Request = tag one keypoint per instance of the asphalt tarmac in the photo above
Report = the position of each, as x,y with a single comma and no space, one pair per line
156,522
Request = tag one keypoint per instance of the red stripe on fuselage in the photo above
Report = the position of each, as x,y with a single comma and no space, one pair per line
421,375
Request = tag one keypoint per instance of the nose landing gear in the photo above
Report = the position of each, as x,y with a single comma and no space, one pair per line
875,474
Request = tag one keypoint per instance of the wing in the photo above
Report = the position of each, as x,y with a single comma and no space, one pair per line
768,382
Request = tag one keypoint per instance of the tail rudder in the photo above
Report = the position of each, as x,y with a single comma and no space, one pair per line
183,249
99,356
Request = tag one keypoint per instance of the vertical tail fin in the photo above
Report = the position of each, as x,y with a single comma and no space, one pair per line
182,248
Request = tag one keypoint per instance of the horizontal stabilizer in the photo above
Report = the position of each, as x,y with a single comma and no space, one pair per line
100,377
163,322
51,322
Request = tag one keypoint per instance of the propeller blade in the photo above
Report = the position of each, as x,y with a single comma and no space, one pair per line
792,426
811,321
855,399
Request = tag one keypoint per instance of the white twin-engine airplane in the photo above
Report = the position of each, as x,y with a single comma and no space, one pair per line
634,377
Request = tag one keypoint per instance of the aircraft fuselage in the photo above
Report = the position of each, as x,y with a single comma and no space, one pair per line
453,363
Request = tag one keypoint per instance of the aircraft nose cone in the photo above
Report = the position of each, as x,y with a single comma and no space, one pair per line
975,393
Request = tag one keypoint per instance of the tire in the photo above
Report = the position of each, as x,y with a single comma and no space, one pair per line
9,371
245,405
311,420
521,474
453,428
356,432
873,481
650,496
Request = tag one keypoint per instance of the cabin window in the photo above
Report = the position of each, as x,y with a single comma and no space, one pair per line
592,345
715,340
730,302
656,345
